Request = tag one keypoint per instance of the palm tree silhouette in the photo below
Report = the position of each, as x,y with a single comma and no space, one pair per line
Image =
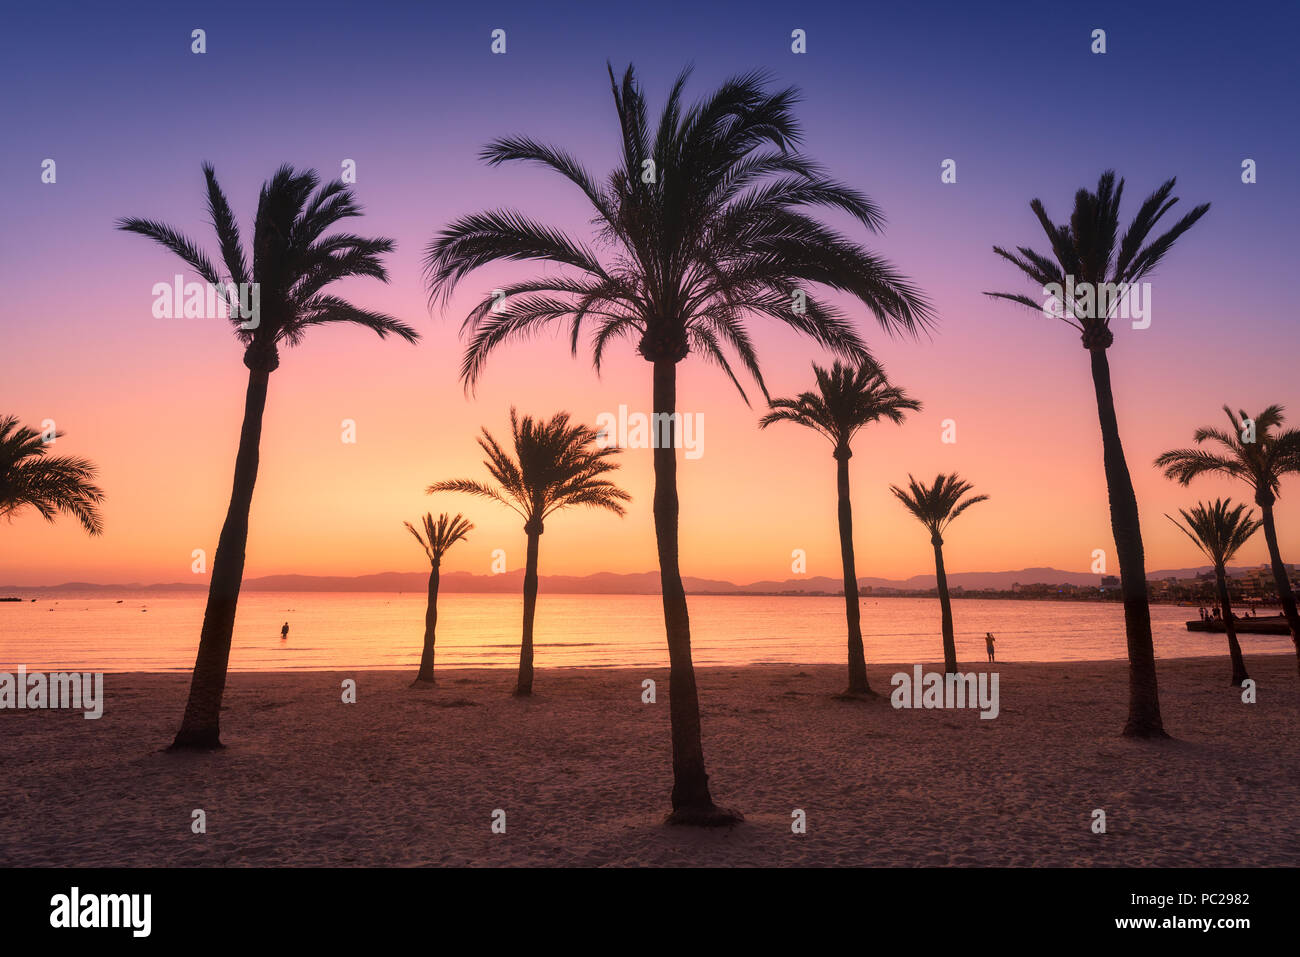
1219,530
439,535
30,477
555,465
1084,250
847,398
292,263
1260,463
704,222
935,508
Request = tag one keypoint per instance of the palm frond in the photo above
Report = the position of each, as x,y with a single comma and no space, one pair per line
847,399
1088,247
48,484
550,465
936,505
293,261
719,236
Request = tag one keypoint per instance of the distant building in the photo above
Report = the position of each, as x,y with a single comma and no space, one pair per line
1109,581
1259,583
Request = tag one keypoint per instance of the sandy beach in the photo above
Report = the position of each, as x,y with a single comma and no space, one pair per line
412,777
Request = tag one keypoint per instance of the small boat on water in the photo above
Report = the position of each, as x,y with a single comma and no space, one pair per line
1263,625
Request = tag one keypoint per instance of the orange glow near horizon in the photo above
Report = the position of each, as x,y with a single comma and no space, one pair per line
157,403
163,429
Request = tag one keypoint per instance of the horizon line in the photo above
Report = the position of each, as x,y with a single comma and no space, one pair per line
1157,574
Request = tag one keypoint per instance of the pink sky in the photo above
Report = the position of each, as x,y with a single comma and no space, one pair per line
157,403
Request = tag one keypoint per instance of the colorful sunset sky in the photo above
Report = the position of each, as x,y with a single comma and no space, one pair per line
411,92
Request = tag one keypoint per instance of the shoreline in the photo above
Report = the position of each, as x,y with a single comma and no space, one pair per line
510,668
192,591
410,777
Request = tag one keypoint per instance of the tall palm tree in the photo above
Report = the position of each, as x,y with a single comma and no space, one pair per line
1260,463
935,507
554,466
1084,252
1219,530
439,535
846,400
705,226
29,476
292,264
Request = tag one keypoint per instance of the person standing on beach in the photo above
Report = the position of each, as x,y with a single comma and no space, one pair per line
988,643
284,632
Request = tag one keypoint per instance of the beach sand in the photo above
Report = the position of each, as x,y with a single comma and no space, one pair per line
582,771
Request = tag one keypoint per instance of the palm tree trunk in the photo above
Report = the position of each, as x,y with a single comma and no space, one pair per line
1284,593
945,606
430,627
201,726
852,611
1144,719
692,803
524,686
1234,648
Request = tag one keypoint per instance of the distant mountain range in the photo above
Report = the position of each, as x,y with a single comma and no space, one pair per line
606,583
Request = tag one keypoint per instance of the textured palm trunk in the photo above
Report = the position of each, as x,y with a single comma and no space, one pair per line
852,609
524,686
201,726
945,606
1234,648
1144,719
692,803
430,629
1284,593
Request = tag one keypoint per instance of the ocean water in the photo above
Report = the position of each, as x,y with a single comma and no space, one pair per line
374,630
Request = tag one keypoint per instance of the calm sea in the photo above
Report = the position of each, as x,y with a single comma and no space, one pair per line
371,630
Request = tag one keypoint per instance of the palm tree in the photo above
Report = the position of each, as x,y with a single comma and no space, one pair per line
438,536
292,263
1219,530
555,465
705,227
846,400
29,476
935,508
1084,253
1259,453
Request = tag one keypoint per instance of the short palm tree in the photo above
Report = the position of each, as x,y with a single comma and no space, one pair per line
439,535
30,477
1084,251
293,262
706,225
935,507
554,465
1219,531
1261,462
846,399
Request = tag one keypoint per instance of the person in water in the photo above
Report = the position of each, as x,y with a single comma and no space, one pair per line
284,632
988,643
